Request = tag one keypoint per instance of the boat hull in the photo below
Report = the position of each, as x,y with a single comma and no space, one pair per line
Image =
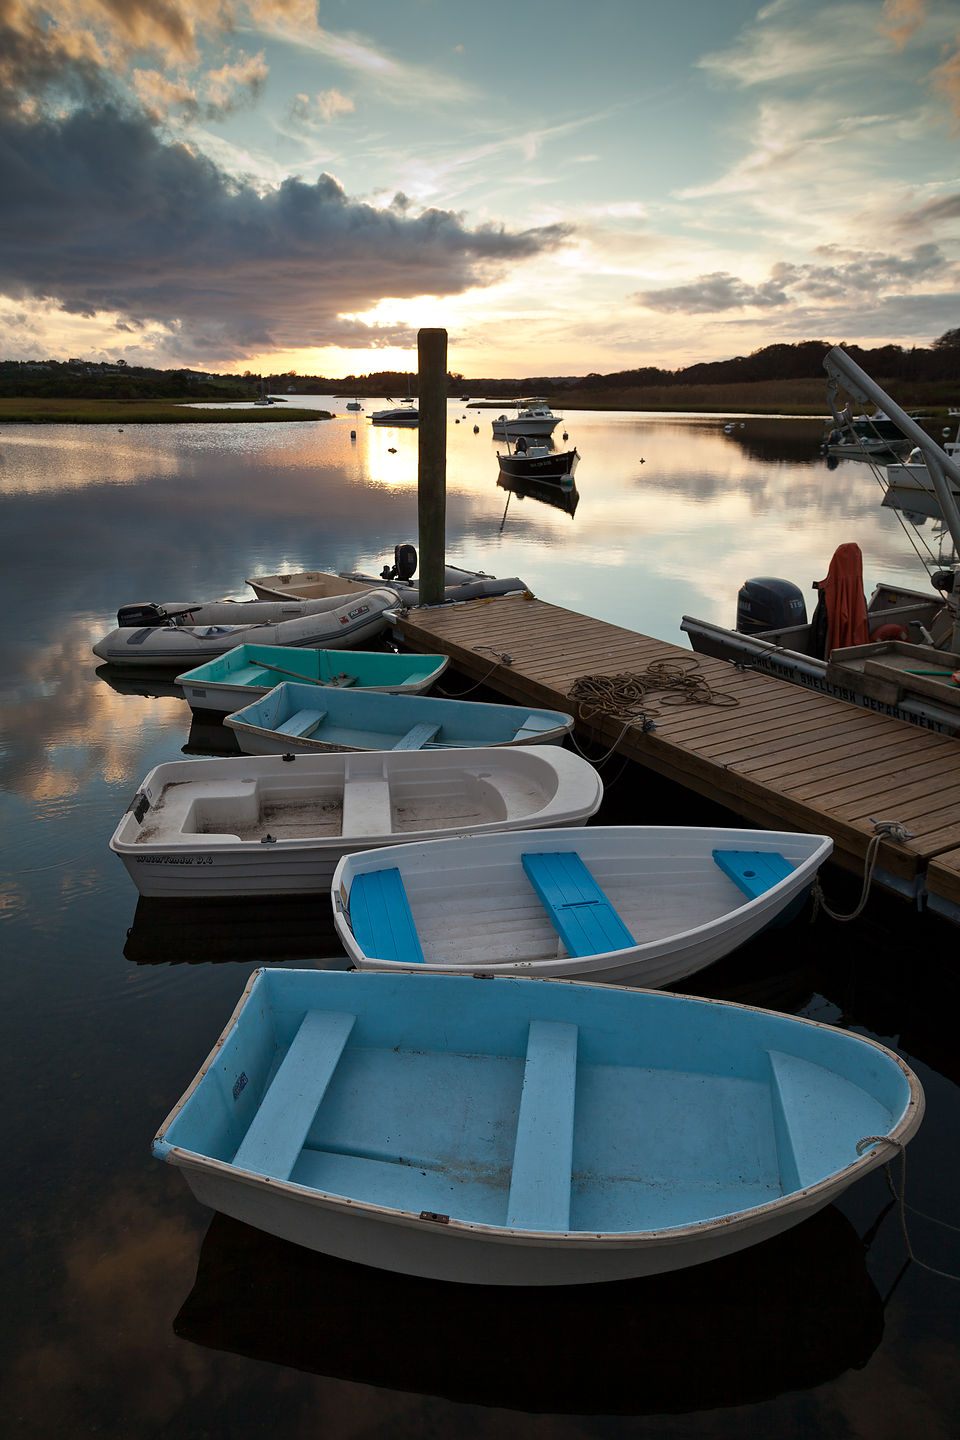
430,1138
249,671
198,827
554,466
474,907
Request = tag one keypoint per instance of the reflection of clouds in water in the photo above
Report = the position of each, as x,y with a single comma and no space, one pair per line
74,728
48,459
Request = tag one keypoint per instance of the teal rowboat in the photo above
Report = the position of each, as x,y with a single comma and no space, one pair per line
248,671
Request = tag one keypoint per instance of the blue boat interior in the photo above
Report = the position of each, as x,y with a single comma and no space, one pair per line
263,666
371,720
530,1105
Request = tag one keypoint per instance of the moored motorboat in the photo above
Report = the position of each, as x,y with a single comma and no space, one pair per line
294,717
404,415
248,671
267,825
642,904
533,417
538,462
183,635
504,1132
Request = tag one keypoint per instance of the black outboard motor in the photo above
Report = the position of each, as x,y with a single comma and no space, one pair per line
404,564
132,616
768,604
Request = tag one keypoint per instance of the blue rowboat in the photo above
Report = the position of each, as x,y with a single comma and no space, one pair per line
294,717
249,671
516,1132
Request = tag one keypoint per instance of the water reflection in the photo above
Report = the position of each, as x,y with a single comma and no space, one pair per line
560,497
269,930
785,1315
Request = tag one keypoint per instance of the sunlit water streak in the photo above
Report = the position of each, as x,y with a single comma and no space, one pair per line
111,1005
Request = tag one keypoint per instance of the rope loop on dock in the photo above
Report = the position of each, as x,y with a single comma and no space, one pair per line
629,694
882,830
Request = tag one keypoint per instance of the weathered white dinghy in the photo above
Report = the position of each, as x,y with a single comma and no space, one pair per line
503,1132
185,635
249,671
295,717
270,826
647,904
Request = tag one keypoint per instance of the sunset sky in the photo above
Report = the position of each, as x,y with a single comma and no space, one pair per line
566,187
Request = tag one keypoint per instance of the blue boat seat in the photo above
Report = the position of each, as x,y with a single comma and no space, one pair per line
381,920
248,675
580,912
302,722
543,1153
279,1128
416,738
535,724
753,871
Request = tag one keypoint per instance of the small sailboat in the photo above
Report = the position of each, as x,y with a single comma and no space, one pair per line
504,1132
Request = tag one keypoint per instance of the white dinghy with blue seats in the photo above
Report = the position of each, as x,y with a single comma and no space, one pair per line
639,904
510,1132
294,717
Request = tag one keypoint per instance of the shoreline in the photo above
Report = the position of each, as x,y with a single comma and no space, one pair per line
56,410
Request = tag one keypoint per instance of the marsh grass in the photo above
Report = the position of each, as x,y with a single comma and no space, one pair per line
55,410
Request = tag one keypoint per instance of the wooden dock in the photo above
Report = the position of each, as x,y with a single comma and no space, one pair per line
775,753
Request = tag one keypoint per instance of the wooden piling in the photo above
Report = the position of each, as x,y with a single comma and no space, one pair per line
432,467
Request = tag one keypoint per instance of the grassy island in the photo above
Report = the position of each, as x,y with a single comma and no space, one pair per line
68,410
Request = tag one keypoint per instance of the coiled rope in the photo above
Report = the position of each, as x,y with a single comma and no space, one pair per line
882,830
631,695
901,1201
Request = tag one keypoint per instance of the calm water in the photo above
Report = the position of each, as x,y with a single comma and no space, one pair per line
128,1311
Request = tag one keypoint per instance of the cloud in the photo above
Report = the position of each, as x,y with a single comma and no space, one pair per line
849,274
324,107
901,18
109,217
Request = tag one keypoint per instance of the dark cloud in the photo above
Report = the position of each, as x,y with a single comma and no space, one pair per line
710,293
946,208
849,273
102,214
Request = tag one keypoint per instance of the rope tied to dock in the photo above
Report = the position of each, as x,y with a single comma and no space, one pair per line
882,830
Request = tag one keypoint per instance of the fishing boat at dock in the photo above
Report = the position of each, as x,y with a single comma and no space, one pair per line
504,1132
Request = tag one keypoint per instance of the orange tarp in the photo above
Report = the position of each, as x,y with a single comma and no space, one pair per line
843,593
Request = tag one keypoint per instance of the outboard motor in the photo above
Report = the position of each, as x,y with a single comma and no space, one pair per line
768,604
133,616
404,564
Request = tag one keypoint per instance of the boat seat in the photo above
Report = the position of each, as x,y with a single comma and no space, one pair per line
802,1092
366,807
246,675
416,738
381,919
535,725
279,1128
543,1153
753,871
302,722
580,912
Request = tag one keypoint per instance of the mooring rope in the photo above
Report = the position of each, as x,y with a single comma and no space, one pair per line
901,1201
502,659
883,830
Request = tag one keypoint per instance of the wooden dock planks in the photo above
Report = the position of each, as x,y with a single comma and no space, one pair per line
780,756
